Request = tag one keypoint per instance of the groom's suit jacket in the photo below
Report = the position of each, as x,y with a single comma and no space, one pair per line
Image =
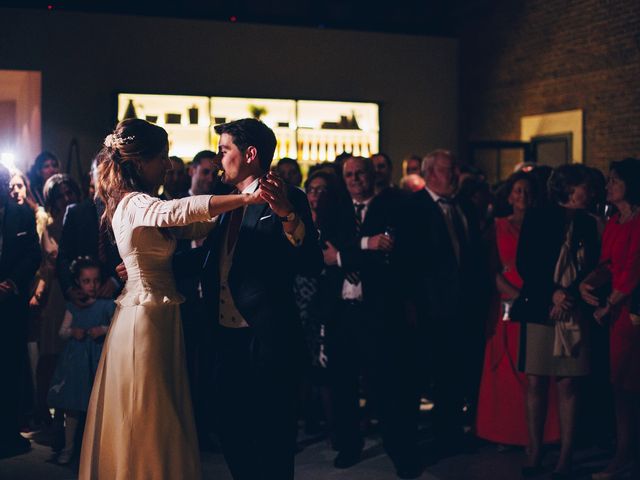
261,278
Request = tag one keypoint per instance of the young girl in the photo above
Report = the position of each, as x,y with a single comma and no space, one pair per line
84,329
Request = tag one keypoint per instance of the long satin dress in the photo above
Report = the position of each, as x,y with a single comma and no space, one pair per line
140,420
501,415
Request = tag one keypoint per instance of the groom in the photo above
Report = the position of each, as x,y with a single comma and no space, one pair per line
247,285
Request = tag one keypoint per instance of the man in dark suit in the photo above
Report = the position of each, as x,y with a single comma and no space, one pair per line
384,187
442,259
247,283
19,261
202,180
368,336
83,235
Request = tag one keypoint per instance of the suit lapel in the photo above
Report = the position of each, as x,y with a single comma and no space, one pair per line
440,231
251,217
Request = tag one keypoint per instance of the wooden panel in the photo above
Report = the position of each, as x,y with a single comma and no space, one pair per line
8,125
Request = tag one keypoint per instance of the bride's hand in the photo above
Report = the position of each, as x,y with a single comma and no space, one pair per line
255,197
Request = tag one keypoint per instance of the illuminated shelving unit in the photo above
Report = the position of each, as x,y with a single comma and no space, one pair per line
309,131
185,118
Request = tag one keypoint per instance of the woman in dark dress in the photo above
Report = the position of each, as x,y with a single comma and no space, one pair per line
558,247
313,298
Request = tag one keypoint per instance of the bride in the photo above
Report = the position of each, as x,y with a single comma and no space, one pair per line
140,420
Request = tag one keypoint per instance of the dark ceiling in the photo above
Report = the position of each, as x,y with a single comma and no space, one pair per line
426,17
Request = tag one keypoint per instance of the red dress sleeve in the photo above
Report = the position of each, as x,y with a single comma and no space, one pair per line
629,271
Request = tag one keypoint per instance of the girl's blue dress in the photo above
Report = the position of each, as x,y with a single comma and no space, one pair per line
73,378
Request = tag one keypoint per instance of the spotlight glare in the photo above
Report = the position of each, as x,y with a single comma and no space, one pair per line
8,159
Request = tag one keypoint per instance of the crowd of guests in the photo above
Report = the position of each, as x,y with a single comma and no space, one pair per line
514,308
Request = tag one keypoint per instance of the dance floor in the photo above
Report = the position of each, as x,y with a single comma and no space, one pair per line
314,461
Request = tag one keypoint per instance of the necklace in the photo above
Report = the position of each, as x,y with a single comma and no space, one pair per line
626,218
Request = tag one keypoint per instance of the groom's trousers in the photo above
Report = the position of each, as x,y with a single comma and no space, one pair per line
255,408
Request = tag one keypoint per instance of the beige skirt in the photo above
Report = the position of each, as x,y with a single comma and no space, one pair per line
140,420
536,353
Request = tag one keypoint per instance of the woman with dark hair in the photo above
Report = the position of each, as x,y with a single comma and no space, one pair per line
60,191
44,167
503,388
620,261
47,302
311,295
20,191
140,419
558,246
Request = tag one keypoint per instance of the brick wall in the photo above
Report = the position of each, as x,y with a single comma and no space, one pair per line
532,57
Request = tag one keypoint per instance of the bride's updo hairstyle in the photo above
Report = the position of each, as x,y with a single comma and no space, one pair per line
133,142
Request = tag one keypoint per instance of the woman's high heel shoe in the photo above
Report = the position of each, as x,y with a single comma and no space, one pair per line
616,474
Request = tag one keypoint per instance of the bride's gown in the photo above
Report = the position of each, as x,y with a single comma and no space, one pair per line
140,420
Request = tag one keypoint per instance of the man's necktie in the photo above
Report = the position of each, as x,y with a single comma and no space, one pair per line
359,208
354,277
233,229
455,226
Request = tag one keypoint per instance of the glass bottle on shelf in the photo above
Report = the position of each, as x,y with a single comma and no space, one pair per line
331,150
284,147
290,150
366,152
322,150
130,112
347,146
305,150
193,115
356,148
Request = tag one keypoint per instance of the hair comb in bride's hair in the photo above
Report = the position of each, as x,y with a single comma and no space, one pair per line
113,140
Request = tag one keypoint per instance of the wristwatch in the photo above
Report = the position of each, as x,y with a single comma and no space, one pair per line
289,218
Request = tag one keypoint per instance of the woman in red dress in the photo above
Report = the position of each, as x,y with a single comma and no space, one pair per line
501,415
621,257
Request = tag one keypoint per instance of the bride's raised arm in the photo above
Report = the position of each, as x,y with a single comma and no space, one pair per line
143,210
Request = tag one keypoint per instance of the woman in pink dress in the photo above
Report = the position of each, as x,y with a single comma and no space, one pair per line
501,405
620,258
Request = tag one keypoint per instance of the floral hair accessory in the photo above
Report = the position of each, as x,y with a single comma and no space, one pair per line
114,140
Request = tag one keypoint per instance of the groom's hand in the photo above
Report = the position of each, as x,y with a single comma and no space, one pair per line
274,192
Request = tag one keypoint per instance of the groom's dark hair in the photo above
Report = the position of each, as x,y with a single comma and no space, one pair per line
249,132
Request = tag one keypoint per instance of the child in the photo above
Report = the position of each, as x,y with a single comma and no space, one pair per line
84,329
